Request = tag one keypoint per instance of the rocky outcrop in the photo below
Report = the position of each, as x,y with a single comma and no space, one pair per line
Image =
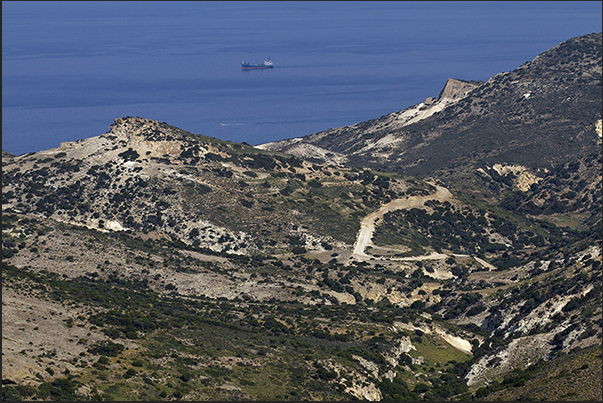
365,391
456,89
520,353
521,176
305,151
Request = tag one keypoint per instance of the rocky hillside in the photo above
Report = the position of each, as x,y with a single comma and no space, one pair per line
147,177
321,147
544,112
150,263
543,117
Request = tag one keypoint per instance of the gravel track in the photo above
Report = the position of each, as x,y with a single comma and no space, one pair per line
367,225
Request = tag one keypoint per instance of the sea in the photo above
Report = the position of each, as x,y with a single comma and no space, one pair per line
70,68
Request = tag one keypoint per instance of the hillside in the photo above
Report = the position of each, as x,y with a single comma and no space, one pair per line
544,112
524,127
150,263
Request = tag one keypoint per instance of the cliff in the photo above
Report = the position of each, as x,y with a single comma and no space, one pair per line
455,89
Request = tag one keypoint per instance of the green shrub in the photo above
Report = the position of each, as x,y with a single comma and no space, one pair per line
314,183
298,250
396,390
129,155
10,393
107,348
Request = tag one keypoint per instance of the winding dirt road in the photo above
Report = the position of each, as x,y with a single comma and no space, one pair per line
367,225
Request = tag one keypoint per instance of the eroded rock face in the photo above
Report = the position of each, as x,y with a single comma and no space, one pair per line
455,89
146,135
404,346
365,391
523,180
305,151
520,353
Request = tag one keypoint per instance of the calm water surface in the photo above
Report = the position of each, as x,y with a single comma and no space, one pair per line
70,68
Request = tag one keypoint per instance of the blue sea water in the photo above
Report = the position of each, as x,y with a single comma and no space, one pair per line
69,68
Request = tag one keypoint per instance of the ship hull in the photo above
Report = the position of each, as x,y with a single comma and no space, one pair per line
266,65
256,67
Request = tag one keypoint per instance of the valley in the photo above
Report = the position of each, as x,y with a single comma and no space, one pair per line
447,251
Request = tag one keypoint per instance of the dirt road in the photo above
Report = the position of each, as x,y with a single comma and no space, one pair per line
367,225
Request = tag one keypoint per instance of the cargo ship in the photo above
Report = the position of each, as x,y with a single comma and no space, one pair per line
266,65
